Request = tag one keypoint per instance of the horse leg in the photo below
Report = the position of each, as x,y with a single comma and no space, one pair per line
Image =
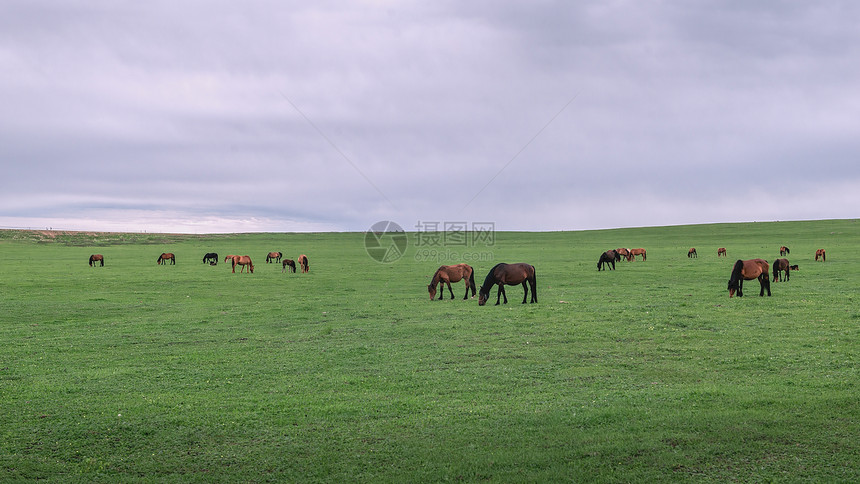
449,290
766,285
466,296
525,292
533,283
741,287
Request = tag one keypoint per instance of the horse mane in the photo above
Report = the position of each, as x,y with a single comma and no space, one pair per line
736,273
489,280
435,279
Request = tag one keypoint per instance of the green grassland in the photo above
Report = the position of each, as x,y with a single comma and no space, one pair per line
136,372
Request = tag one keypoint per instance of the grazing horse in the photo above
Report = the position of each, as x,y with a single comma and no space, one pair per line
242,260
211,258
795,267
167,256
722,251
303,261
784,250
692,253
635,252
820,253
97,258
780,265
608,257
510,274
288,262
747,270
274,257
449,274
622,252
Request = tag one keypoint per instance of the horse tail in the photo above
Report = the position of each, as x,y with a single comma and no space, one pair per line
472,280
787,251
534,284
91,261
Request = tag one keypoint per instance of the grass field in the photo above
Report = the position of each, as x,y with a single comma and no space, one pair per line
135,372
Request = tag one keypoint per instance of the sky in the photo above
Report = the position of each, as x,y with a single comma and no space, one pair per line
280,116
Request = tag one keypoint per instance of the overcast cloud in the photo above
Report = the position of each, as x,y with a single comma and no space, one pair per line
291,116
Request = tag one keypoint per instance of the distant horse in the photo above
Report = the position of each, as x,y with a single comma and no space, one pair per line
274,257
511,275
722,251
608,257
622,252
820,253
692,253
211,258
167,256
288,262
795,267
244,261
780,265
97,258
303,261
635,252
784,250
449,274
747,270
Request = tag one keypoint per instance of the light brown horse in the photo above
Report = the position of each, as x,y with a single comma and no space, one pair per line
635,252
303,261
449,274
232,258
820,253
692,252
625,253
167,256
722,251
510,274
784,250
747,270
244,261
273,257
779,266
288,263
97,258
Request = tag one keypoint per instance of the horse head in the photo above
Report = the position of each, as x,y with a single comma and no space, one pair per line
432,290
483,296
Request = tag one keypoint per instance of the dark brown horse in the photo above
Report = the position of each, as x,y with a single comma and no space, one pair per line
242,260
635,252
625,253
795,267
288,263
784,250
781,265
167,256
97,258
211,258
608,257
449,274
722,251
747,270
692,252
274,257
511,275
303,261
820,253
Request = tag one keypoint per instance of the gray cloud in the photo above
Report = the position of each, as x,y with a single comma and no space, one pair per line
273,116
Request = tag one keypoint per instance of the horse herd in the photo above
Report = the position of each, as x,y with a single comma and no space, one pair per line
522,273
237,260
